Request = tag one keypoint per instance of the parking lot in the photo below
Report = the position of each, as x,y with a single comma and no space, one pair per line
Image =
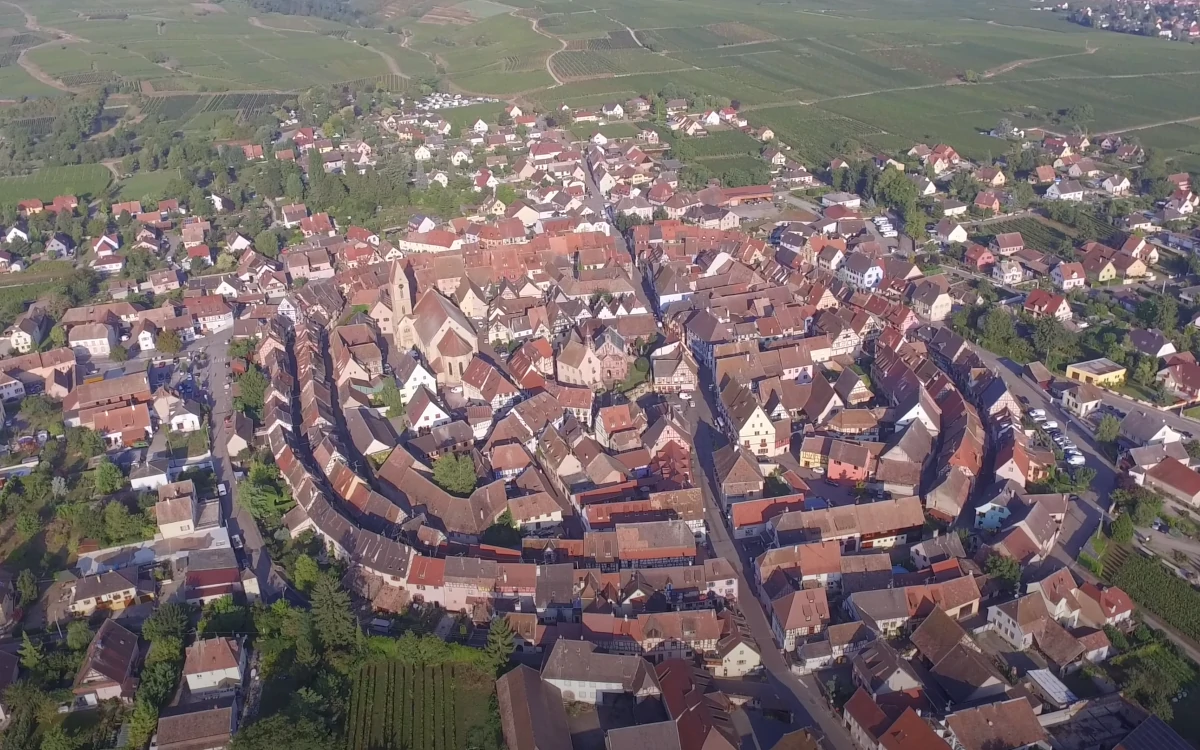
1052,430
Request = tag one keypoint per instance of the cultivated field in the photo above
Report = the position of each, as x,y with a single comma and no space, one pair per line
884,74
395,705
83,181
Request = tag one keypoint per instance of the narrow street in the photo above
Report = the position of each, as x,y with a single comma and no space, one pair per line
237,519
801,693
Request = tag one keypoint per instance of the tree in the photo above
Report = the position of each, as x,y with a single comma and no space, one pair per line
1005,571
169,342
252,391
334,621
500,644
58,337
27,587
267,243
1193,448
164,650
1146,510
1083,477
118,353
503,533
57,738
391,397
305,573
1122,529
170,620
31,653
142,723
283,731
1108,429
79,635
455,474
108,478
85,442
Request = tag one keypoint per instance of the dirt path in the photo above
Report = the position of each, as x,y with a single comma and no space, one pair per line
112,167
392,65
32,68
563,45
958,82
1147,127
259,24
1009,66
631,31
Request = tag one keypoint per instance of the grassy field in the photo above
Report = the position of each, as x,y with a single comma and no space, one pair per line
143,184
88,180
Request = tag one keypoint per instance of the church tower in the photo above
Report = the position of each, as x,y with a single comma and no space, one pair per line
401,293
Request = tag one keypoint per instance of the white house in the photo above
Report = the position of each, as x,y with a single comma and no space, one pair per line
480,127
1068,190
175,511
186,416
949,232
14,234
214,666
1068,276
423,411
585,676
1116,185
92,339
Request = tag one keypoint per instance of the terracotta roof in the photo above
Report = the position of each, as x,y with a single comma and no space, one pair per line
212,654
997,726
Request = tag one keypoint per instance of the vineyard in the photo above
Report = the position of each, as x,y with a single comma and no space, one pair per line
398,705
170,107
1036,234
1159,590
570,64
245,102
615,40
812,133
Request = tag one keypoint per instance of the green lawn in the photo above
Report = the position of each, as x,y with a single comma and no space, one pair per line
82,181
143,184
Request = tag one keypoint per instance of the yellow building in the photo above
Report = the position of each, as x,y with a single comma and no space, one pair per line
1102,372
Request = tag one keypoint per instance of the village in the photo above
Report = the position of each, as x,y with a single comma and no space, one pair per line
851,456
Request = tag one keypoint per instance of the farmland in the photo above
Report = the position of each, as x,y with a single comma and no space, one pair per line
873,72
1037,235
85,180
397,705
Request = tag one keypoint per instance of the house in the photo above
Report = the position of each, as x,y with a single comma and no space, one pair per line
1100,372
797,615
1026,622
948,232
175,511
987,201
424,412
900,727
1081,399
115,589
1116,185
1009,724
1175,479
92,339
1008,272
532,711
1151,343
207,724
214,666
1068,276
107,669
1104,606
1041,304
29,330
1068,190
584,675
736,656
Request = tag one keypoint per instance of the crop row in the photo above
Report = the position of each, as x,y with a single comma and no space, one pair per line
396,705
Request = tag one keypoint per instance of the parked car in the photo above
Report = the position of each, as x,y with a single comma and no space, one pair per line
1076,459
1051,425
1035,413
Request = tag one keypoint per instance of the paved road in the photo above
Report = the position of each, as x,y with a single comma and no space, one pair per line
237,519
808,705
1084,516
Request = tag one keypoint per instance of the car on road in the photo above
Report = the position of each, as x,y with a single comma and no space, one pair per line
1036,413
1051,425
1076,459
